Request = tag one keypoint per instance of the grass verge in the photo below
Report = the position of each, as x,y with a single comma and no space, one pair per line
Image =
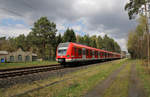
25,64
143,75
78,83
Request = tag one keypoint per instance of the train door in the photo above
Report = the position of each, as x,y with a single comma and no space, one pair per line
93,54
83,54
99,55
104,55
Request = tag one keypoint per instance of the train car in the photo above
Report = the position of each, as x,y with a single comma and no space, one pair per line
73,52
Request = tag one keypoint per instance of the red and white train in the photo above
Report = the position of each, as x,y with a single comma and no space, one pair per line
73,52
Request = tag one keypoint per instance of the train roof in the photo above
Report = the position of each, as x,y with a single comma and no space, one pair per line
85,46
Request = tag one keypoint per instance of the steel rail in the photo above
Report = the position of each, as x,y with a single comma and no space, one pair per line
28,70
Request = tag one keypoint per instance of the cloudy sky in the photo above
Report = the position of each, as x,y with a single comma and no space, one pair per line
93,17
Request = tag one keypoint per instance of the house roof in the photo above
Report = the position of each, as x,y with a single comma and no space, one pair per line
33,54
3,52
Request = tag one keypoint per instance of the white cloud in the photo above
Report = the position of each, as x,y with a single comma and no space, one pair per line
122,42
13,31
77,28
61,27
99,17
85,7
89,7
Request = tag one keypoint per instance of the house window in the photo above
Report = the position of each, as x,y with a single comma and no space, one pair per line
11,58
34,58
27,58
19,58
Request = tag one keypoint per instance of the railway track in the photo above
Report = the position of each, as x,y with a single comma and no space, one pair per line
5,73
14,72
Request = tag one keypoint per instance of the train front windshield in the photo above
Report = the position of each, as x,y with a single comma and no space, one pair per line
62,48
62,51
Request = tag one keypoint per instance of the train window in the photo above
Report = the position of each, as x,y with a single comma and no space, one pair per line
63,45
87,52
96,53
100,53
93,52
62,51
80,51
104,54
90,52
83,51
75,50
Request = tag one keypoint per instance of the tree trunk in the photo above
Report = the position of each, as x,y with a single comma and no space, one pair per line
143,47
147,30
139,48
43,51
148,47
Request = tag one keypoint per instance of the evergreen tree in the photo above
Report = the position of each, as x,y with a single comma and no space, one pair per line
42,34
99,42
80,39
87,40
69,36
93,41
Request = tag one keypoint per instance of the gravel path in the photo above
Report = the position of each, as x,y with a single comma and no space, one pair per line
135,87
99,90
